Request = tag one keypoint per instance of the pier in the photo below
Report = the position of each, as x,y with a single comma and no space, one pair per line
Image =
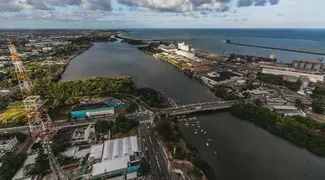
275,48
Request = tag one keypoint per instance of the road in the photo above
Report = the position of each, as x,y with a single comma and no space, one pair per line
155,153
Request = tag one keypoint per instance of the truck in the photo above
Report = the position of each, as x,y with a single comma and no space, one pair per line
198,108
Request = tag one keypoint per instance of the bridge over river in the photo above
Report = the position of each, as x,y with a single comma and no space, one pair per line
197,107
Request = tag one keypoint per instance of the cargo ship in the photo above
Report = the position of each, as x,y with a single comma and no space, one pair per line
253,58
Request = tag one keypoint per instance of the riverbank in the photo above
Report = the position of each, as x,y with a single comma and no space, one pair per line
182,155
303,132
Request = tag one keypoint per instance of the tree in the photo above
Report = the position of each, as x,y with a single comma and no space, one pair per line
131,108
318,108
144,166
258,102
103,126
11,165
298,103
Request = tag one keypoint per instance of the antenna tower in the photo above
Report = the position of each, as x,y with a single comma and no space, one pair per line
39,122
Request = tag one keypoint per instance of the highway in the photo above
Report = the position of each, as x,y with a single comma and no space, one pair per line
154,153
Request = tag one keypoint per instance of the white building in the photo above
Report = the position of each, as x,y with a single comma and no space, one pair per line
184,47
8,144
120,159
312,77
188,55
47,48
209,82
213,74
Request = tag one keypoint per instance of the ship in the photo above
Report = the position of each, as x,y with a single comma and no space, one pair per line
253,58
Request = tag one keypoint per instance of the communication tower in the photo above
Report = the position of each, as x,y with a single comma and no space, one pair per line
39,122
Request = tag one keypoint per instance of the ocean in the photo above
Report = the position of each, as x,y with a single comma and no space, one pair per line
213,40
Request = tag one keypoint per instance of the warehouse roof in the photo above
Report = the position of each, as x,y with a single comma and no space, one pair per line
110,166
118,148
96,151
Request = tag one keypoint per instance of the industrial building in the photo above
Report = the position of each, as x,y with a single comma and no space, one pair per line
288,111
186,54
8,144
312,77
308,64
92,112
120,159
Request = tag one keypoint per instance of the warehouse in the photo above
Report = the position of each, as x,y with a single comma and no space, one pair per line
78,114
120,159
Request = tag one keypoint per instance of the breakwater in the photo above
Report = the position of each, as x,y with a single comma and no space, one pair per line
275,48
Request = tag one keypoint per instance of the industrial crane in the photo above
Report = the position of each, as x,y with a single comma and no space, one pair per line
39,122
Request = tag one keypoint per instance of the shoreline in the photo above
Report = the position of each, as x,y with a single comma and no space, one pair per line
74,56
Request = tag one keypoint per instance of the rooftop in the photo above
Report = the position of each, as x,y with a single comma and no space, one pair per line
114,149
109,166
96,151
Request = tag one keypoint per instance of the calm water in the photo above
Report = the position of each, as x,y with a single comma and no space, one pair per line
212,40
245,152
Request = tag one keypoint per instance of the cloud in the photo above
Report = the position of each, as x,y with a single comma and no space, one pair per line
20,5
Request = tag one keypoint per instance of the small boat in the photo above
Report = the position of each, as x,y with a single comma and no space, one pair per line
205,132
198,126
215,152
195,132
195,129
202,130
207,144
210,140
192,125
194,118
186,124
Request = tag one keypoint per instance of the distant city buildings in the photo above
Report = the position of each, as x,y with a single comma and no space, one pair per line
312,77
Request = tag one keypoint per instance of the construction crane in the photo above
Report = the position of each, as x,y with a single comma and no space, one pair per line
39,122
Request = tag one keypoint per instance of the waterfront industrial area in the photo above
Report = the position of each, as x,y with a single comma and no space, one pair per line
105,128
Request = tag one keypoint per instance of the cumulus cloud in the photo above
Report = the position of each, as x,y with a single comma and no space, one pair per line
193,5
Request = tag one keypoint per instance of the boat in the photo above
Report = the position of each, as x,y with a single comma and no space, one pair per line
210,140
205,132
202,130
198,126
195,132
215,152
186,124
207,144
193,125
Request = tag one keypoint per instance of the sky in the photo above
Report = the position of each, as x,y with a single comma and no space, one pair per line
106,14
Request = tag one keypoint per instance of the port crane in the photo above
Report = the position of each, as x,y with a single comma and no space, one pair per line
40,124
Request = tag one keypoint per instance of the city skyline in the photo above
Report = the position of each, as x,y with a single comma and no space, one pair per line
161,14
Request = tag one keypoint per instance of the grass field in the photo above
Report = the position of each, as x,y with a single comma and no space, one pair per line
12,115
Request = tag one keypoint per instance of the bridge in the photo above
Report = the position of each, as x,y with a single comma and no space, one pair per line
143,117
196,107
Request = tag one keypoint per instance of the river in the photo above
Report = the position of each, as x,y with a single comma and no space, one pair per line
244,151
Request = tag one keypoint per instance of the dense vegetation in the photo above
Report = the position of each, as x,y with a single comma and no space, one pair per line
120,125
302,131
151,97
225,93
90,87
131,41
172,137
144,166
20,136
319,99
11,164
278,80
132,107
